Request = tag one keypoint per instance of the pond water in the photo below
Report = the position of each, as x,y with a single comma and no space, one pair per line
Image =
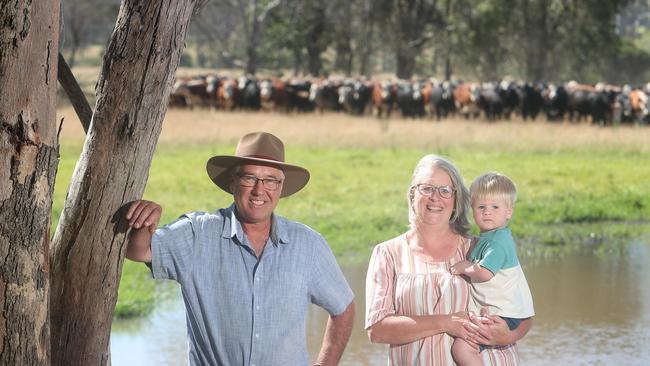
591,310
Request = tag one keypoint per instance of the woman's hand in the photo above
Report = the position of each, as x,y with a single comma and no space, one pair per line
488,330
458,326
493,331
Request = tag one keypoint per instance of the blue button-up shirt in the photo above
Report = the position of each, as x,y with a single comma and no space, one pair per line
244,310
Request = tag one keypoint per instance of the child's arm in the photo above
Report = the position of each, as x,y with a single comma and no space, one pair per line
472,270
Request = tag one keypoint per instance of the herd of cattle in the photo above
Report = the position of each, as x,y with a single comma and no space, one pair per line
601,103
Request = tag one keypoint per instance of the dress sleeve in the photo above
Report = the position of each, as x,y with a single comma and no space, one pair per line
380,286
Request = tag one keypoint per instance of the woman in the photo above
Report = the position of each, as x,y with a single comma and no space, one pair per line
413,302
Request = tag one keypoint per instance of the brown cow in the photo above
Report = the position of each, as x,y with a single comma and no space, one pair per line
638,105
194,91
178,95
427,89
228,96
383,98
176,101
274,95
466,99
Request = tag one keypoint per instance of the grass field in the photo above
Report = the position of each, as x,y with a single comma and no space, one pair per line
578,184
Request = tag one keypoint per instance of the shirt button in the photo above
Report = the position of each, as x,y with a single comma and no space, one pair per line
257,308
257,335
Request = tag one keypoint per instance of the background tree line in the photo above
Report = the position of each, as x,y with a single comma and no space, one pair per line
586,40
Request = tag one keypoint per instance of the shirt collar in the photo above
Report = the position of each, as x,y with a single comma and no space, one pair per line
232,227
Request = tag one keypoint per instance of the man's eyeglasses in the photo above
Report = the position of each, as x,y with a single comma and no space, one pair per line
251,181
429,189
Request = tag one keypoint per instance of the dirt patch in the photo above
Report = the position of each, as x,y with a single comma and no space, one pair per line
335,129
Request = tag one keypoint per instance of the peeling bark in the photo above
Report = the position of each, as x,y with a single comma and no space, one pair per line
28,160
90,242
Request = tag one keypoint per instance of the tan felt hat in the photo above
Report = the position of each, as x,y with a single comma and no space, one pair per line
257,148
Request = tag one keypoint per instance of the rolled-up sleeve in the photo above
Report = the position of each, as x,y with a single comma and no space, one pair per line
380,286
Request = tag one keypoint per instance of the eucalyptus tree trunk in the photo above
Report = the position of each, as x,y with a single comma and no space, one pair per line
29,39
253,40
405,61
315,35
368,22
448,41
342,35
89,245
412,19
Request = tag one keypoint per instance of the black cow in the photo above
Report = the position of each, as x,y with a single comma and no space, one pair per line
298,91
601,102
214,83
509,94
442,99
490,101
354,96
324,95
578,105
249,93
532,101
409,99
556,102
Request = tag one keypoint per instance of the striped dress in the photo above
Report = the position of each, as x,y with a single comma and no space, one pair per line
400,282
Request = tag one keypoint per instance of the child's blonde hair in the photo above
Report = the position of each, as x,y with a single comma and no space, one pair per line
494,185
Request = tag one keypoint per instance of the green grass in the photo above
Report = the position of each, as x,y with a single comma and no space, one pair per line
356,197
137,294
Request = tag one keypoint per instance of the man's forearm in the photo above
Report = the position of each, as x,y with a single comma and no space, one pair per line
142,217
139,245
336,337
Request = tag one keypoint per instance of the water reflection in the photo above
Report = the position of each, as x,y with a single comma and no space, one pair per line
159,339
591,310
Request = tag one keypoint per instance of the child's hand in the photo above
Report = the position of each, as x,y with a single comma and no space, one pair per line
460,267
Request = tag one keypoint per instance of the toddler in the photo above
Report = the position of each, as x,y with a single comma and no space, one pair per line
497,282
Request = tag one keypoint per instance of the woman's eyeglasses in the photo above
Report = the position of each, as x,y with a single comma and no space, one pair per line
430,189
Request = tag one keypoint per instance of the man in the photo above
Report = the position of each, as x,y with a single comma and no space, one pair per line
246,274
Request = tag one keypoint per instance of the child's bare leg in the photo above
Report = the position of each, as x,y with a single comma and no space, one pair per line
465,354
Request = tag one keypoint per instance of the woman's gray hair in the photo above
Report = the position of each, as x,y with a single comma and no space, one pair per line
458,221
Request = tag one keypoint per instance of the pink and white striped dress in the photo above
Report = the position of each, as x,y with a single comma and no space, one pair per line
401,282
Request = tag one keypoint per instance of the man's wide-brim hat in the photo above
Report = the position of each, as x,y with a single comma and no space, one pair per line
257,148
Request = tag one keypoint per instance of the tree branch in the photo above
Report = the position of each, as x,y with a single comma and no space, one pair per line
75,94
270,6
